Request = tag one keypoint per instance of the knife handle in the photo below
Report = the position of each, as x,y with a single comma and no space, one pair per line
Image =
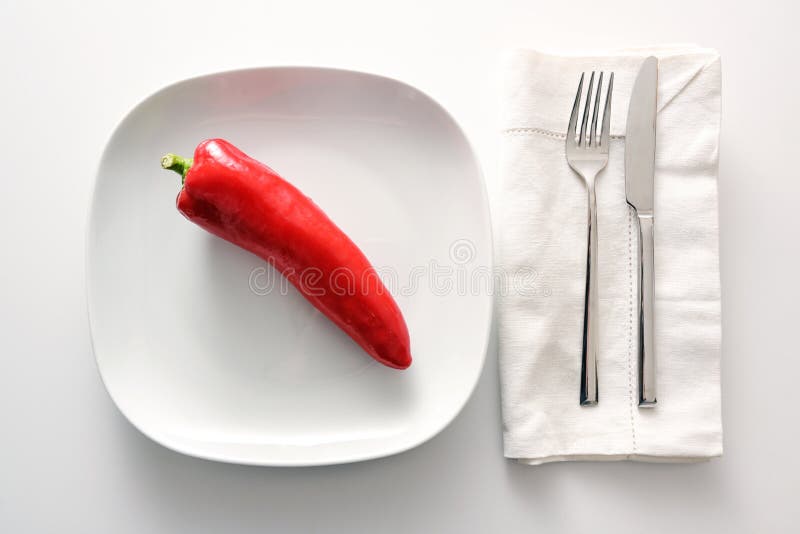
647,353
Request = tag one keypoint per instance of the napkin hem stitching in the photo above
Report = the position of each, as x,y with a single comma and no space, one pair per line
547,133
630,331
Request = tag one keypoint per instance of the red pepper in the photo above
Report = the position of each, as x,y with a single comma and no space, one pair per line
245,202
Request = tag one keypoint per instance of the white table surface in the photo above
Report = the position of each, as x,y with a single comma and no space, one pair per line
69,462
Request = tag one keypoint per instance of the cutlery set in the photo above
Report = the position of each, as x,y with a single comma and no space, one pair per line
587,154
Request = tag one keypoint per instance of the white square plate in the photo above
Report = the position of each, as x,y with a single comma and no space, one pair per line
198,342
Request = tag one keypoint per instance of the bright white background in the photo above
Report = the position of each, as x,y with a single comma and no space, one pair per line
69,462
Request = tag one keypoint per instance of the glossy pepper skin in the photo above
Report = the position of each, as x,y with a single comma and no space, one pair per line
245,202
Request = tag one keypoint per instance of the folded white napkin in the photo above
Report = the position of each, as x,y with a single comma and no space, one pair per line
542,250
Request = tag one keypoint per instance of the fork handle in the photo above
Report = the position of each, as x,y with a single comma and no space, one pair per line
647,352
588,394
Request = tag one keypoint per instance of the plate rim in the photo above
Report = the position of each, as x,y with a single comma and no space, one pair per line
344,459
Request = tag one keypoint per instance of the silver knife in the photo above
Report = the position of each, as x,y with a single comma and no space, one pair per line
640,151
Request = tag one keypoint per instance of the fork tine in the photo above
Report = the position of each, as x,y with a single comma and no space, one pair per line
573,118
593,128
582,138
605,133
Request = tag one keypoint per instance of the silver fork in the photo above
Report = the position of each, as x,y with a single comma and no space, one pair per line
588,155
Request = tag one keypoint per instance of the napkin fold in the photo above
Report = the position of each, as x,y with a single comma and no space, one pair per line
542,234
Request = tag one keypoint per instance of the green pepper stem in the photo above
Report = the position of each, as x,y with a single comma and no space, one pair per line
178,164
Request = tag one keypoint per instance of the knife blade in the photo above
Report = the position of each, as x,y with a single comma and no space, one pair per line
640,139
640,149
